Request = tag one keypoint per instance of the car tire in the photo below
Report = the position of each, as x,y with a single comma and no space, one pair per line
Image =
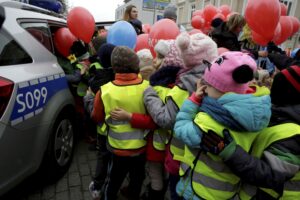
61,145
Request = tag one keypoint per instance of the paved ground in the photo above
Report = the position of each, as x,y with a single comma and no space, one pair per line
73,186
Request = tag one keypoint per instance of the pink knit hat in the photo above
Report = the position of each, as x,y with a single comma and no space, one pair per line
231,72
196,48
173,58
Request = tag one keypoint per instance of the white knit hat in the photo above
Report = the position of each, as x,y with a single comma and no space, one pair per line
196,48
145,57
162,47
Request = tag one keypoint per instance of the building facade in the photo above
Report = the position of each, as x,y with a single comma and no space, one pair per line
149,11
187,7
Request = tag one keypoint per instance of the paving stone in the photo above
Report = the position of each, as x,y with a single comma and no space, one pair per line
74,179
84,169
85,182
62,185
76,193
48,192
62,195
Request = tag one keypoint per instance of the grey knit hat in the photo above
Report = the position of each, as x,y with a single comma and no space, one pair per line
170,12
124,60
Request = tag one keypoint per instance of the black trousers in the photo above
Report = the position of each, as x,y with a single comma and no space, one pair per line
119,167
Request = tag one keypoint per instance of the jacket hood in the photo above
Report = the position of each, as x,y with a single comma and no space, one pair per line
188,79
285,114
252,111
164,76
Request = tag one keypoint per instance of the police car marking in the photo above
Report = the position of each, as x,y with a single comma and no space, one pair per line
23,84
34,82
50,78
42,80
29,115
16,121
62,75
32,97
56,76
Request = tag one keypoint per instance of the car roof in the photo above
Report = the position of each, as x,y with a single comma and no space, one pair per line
23,10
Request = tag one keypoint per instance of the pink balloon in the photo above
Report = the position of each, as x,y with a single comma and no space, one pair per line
198,13
259,39
146,28
225,10
197,22
63,40
296,24
81,23
263,17
194,31
283,9
209,12
286,29
165,29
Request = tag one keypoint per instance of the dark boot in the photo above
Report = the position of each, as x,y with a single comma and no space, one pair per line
157,195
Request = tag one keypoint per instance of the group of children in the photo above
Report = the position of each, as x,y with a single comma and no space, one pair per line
200,121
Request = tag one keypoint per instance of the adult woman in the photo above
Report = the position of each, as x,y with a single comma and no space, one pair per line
226,35
130,15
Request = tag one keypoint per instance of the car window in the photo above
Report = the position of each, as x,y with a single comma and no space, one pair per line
11,53
41,32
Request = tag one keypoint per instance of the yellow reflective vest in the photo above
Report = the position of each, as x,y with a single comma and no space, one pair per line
211,178
267,137
178,95
121,135
160,136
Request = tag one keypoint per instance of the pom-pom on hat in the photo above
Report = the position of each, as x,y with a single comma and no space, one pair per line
196,48
231,72
124,60
145,57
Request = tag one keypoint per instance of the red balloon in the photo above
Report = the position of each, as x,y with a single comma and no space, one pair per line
225,10
165,29
263,17
197,22
286,29
194,31
63,40
283,9
220,15
277,33
259,39
146,28
81,23
198,13
209,12
142,42
296,24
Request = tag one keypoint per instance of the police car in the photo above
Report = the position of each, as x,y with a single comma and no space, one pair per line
36,106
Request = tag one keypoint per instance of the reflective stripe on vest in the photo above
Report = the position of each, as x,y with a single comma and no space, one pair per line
267,137
130,97
160,136
178,96
212,179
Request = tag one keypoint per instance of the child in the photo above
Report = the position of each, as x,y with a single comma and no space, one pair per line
193,50
224,107
146,63
126,144
274,162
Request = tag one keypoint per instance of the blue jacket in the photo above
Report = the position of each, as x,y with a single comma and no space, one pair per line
251,111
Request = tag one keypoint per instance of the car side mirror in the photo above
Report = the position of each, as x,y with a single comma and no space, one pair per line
2,16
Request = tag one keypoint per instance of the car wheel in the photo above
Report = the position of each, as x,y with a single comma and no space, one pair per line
60,147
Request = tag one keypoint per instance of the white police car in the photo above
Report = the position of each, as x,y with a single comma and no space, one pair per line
36,106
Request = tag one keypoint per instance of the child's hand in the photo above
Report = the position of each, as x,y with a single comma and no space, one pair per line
119,114
200,89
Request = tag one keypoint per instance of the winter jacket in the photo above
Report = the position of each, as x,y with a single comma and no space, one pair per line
251,111
282,61
265,172
224,38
